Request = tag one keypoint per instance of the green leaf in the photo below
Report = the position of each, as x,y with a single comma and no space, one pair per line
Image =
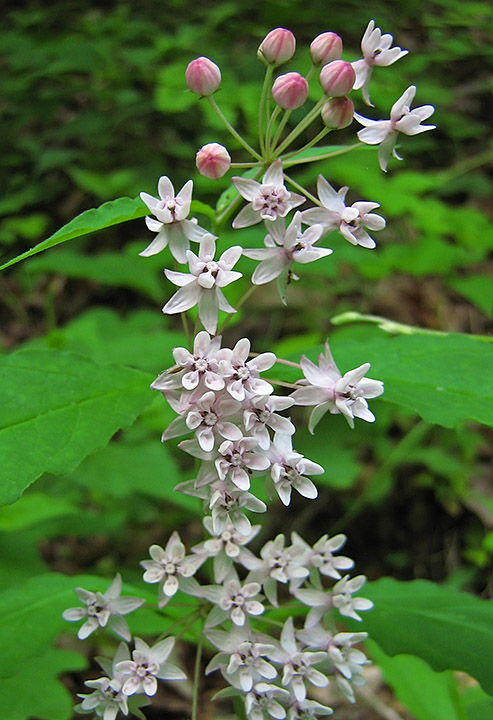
108,214
441,376
448,629
31,615
31,618
35,691
478,705
56,409
427,694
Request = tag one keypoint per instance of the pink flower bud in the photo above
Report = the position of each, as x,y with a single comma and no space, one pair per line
337,113
325,48
203,76
337,78
213,160
277,47
290,91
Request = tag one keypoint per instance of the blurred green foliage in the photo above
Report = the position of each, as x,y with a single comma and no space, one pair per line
93,107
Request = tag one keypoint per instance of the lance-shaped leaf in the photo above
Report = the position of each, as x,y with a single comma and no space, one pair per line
106,215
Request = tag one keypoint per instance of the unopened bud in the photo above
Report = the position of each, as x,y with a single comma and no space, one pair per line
337,113
277,47
337,78
213,160
290,91
203,76
326,48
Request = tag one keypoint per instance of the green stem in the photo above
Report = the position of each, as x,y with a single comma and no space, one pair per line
196,678
282,384
240,302
187,622
302,190
231,129
310,144
307,120
235,202
281,127
324,156
244,165
268,134
279,360
262,104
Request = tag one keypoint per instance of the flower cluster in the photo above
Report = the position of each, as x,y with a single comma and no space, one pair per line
229,416
130,679
270,668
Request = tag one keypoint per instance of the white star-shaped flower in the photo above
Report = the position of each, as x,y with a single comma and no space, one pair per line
267,200
103,609
329,391
377,50
350,221
171,226
202,285
402,119
285,246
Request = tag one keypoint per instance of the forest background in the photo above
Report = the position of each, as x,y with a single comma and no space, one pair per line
93,106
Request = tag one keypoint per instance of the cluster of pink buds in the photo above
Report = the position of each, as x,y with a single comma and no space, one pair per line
228,415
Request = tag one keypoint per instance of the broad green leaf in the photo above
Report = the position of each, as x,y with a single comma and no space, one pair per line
427,694
31,618
106,215
56,409
478,705
31,615
448,629
441,376
35,690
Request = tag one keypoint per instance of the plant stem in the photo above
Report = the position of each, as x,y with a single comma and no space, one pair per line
240,302
261,107
186,329
281,127
244,165
325,156
302,190
268,134
307,120
281,361
282,384
231,129
236,201
310,144
196,678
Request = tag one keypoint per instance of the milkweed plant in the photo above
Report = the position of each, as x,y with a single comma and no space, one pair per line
235,420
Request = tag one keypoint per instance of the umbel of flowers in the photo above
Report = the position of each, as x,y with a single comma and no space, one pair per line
233,422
